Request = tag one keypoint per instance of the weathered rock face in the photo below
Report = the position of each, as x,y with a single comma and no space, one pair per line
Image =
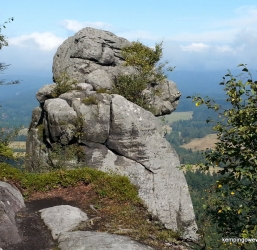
94,56
108,132
11,201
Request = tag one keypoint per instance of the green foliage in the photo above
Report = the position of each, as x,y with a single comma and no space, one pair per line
149,72
63,85
102,91
5,138
116,186
146,61
131,87
59,155
4,42
91,100
5,152
232,203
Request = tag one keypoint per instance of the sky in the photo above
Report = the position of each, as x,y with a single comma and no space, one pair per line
197,35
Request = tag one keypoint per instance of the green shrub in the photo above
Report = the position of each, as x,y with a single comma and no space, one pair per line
149,72
131,87
63,84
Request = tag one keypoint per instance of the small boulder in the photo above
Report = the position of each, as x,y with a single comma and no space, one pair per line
63,218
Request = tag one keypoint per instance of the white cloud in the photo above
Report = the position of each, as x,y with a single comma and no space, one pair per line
222,30
74,25
43,41
211,56
197,47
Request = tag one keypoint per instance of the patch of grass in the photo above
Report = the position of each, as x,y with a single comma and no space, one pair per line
125,218
9,173
103,90
91,100
110,185
116,187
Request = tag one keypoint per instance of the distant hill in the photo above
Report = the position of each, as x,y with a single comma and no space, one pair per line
204,83
28,85
191,82
19,100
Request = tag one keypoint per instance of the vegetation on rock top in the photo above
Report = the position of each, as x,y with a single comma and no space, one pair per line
149,72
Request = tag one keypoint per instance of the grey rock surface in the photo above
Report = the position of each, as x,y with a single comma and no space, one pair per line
11,201
63,218
118,136
45,92
87,240
94,56
61,120
88,50
109,132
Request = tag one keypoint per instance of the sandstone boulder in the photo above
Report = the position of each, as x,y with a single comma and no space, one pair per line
107,131
119,136
94,56
63,218
11,201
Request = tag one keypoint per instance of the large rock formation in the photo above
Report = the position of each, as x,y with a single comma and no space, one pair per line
94,56
11,201
105,131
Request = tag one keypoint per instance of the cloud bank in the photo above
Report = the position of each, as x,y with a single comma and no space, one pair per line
42,41
220,44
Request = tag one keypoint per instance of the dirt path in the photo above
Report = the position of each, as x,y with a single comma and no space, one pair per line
33,231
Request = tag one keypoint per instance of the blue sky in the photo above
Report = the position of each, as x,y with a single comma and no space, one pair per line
198,35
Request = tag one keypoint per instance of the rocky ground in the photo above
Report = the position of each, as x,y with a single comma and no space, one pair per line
102,213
